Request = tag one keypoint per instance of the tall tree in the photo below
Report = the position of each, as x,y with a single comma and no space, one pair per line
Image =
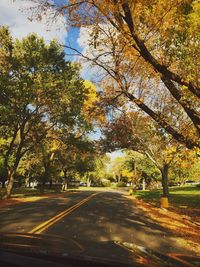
40,91
143,136
160,37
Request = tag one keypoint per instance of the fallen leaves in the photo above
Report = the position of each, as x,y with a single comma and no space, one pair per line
185,230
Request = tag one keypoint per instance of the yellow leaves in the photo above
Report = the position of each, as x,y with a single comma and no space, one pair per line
194,17
127,173
183,87
55,145
91,109
89,103
4,141
154,16
198,152
91,93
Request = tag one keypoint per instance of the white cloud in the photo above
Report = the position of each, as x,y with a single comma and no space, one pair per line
12,14
83,41
84,37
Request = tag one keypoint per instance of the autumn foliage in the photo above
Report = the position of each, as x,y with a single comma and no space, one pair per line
142,44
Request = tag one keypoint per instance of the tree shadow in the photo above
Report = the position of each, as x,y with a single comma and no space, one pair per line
111,216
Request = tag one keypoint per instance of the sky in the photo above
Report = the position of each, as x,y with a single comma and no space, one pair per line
16,15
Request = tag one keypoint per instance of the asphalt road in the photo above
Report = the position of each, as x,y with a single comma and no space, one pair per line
88,218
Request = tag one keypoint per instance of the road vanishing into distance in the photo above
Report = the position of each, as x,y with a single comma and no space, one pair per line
87,217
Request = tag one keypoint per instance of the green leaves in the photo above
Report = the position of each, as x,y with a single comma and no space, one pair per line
40,92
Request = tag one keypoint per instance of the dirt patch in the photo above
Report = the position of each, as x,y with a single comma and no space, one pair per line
184,227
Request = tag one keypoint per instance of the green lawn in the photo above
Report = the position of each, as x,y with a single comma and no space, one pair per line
182,197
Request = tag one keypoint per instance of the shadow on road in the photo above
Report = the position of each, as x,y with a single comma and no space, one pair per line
111,216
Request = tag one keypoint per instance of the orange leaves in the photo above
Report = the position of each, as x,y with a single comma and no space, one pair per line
145,43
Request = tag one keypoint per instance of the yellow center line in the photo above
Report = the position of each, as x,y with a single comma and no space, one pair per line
43,226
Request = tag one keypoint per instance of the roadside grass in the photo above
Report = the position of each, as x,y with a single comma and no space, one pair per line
34,192
28,192
93,188
180,197
182,218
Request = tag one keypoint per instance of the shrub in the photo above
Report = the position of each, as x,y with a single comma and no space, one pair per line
106,183
121,184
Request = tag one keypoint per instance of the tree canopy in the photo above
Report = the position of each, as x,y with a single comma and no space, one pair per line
145,47
42,95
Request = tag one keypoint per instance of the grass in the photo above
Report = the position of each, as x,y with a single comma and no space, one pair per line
94,188
27,192
181,197
30,192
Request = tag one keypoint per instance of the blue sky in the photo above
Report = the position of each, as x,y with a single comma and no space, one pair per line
71,39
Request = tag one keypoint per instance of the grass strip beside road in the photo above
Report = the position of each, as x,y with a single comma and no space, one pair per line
180,197
29,192
45,225
182,218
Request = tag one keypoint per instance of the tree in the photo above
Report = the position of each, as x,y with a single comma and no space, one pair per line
40,91
93,113
75,155
154,39
143,136
187,168
47,150
98,174
2,173
145,171
119,170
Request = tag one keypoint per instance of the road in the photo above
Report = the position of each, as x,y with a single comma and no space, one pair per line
88,216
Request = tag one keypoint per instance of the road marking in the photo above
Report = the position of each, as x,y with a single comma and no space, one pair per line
45,225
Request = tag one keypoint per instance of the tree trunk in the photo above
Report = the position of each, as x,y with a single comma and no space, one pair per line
10,185
45,177
12,171
119,178
88,181
143,184
50,184
65,185
134,177
3,183
42,188
27,181
49,171
164,172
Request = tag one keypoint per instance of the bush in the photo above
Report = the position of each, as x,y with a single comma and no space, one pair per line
106,183
121,184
